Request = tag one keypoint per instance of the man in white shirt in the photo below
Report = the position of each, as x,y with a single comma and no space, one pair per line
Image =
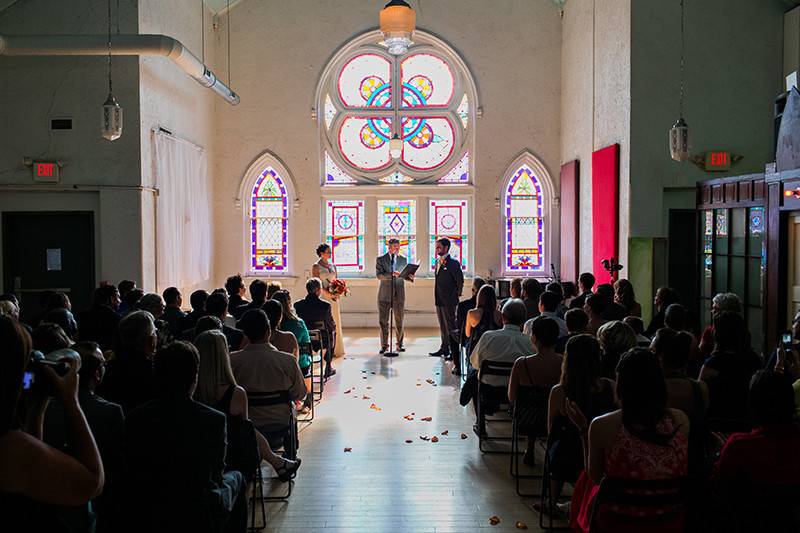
548,306
502,345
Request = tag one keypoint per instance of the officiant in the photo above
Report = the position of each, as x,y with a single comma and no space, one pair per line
387,269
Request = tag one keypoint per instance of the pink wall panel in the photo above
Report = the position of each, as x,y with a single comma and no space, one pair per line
570,233
605,209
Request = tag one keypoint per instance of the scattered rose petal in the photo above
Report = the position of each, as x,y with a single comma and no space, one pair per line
434,439
494,520
412,414
434,385
369,388
365,397
419,384
409,441
372,372
463,436
429,380
424,437
445,432
426,419
364,377
374,407
348,391
348,450
521,525
408,417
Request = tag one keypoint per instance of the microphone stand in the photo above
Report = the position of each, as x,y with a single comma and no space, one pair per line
391,352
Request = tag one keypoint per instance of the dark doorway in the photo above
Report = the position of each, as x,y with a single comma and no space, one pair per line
682,257
48,251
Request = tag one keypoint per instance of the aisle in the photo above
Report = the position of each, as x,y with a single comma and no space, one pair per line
385,484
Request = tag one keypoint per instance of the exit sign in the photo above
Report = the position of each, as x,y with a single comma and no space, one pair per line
45,171
717,161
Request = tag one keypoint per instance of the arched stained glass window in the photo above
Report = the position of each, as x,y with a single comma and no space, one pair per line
524,239
367,96
344,233
269,208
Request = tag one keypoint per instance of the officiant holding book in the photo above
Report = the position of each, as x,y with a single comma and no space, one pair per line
392,292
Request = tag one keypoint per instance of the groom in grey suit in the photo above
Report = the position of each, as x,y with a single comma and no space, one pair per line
387,269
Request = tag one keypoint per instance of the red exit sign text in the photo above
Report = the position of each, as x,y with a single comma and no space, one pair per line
718,161
45,171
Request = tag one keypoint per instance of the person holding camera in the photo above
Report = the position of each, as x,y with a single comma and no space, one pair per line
36,478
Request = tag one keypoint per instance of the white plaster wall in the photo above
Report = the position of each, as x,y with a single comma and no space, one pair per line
278,50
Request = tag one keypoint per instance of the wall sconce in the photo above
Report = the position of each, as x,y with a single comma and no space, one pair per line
792,192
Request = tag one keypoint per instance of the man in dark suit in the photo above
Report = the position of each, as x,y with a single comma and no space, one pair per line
99,324
448,285
173,315
457,337
313,309
387,269
585,284
176,454
198,303
217,305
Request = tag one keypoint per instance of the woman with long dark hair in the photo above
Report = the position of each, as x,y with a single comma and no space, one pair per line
626,297
485,317
325,270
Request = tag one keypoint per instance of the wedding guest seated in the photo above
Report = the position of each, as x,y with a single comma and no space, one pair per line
198,302
9,308
458,337
125,287
57,300
645,439
626,297
129,381
613,311
217,388
514,291
757,475
259,367
615,339
637,325
556,287
207,323
314,310
570,293
484,317
234,285
292,323
173,315
258,295
35,478
548,307
272,288
727,373
531,290
130,302
722,302
154,304
48,337
176,455
284,341
665,297
576,321
594,307
65,319
99,324
502,345
676,318
217,305
531,380
585,283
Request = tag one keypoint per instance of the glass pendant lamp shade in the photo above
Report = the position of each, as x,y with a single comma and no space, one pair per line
112,119
398,21
679,141
395,147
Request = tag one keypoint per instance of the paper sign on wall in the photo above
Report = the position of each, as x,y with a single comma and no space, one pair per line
53,259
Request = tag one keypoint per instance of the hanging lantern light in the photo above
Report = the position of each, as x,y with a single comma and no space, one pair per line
679,136
398,21
112,111
395,147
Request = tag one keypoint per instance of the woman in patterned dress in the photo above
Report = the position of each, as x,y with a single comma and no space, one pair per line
326,272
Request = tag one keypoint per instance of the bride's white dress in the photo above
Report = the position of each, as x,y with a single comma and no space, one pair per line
327,273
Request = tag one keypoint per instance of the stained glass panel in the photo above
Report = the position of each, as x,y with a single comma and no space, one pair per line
428,141
335,175
449,218
459,173
268,223
427,81
463,111
330,111
364,142
398,219
523,211
345,234
365,81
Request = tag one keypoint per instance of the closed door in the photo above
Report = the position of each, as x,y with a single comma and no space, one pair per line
48,251
793,272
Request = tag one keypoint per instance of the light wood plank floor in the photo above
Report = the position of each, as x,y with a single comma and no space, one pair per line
385,484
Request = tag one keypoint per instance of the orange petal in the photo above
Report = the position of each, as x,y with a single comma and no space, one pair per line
434,439
494,520
348,450
426,419
521,525
409,441
463,436
445,432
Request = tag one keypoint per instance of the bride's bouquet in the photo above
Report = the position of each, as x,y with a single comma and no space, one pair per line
338,288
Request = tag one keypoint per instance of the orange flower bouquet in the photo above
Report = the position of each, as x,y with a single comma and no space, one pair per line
338,288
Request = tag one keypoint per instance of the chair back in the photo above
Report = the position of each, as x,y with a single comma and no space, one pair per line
657,501
266,399
496,368
321,338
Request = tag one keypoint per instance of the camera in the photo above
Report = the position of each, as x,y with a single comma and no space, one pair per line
786,338
34,379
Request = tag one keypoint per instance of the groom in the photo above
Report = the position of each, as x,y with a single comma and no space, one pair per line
387,269
447,290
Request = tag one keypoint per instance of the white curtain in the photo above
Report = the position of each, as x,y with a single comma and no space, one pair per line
183,213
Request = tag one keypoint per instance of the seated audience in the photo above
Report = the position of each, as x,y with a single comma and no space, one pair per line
125,287
613,311
259,367
292,323
9,309
722,302
676,318
637,325
756,477
217,305
130,302
576,321
561,308
129,381
625,296
217,388
502,345
645,439
207,323
458,337
615,339
663,299
198,302
235,288
594,308
316,313
99,324
173,315
585,283
531,380
531,290
484,317
258,295
154,304
514,291
35,478
727,373
272,288
582,383
284,341
64,318
57,300
548,307
570,291
176,455
48,337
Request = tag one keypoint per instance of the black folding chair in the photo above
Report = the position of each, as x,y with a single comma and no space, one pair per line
308,348
657,501
319,343
540,400
491,368
325,345
281,436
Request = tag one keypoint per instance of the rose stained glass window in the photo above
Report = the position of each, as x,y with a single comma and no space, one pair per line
449,218
344,233
398,219
268,219
524,250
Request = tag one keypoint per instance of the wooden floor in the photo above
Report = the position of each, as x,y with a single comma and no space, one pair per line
385,484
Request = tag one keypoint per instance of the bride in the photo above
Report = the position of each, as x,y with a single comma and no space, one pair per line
326,272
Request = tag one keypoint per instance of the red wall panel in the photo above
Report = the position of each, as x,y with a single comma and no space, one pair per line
605,209
570,231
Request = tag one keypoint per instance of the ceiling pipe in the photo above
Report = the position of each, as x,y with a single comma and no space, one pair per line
123,45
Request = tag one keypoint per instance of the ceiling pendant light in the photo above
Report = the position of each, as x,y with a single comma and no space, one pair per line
679,135
112,112
398,21
395,147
